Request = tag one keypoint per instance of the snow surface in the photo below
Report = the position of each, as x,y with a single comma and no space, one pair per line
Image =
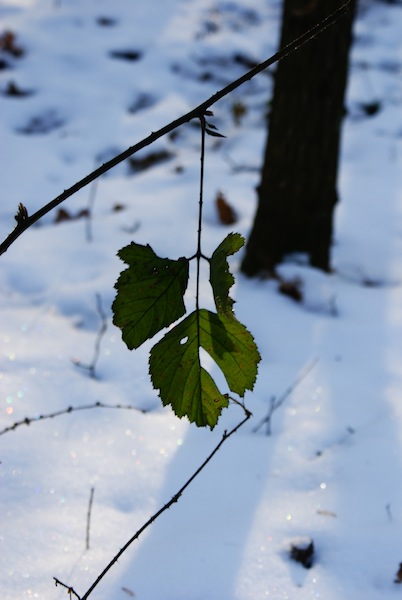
331,469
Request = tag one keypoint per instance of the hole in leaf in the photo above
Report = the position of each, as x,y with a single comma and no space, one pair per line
184,340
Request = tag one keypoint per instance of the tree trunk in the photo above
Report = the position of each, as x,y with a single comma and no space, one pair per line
297,193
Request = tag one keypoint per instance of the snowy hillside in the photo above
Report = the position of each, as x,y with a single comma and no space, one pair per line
79,83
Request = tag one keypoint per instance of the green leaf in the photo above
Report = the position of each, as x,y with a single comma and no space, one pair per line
220,277
233,349
176,370
149,293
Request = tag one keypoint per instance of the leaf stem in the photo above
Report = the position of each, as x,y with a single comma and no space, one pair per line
200,207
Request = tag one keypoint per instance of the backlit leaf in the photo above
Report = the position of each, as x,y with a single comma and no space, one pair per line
176,370
220,277
233,349
149,293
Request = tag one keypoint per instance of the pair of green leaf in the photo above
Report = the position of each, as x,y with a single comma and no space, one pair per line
150,297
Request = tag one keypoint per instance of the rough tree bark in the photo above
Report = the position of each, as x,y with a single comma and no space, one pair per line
297,192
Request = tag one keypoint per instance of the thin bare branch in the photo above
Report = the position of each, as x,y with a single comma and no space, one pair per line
71,591
67,411
226,435
24,223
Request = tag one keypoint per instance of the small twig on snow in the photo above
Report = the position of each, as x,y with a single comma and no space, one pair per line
91,498
102,330
276,403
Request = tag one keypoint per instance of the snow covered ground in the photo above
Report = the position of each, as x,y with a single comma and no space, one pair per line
80,82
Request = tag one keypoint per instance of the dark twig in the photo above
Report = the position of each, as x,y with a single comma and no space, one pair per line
69,589
276,403
199,232
91,498
102,330
67,411
175,498
199,111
